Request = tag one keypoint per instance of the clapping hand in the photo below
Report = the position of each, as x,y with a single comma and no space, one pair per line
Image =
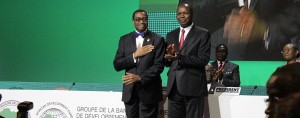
171,55
170,49
218,76
242,26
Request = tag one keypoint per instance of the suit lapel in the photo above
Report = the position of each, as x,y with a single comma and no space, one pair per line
132,42
176,40
147,41
147,38
215,64
226,66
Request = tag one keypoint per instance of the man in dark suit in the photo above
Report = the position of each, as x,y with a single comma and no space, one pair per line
289,106
141,55
283,82
227,73
187,54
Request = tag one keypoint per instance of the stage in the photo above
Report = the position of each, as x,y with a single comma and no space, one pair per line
108,104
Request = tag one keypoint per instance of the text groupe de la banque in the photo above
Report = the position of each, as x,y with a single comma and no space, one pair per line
100,109
91,109
92,112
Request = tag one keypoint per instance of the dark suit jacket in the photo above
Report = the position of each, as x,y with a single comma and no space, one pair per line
281,16
283,20
231,74
148,67
189,69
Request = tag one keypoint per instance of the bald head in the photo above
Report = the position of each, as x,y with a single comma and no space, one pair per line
187,6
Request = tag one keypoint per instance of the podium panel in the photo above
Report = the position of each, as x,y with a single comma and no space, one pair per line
64,104
240,106
97,104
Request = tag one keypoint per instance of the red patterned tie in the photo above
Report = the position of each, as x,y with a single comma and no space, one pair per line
181,39
220,66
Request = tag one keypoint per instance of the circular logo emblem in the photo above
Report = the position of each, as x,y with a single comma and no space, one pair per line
54,110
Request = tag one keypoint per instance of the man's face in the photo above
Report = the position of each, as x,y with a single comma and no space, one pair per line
273,93
221,53
209,73
140,21
184,16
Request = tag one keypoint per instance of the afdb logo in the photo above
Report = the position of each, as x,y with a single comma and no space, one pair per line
54,110
8,109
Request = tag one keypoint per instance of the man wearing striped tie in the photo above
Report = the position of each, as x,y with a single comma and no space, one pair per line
227,72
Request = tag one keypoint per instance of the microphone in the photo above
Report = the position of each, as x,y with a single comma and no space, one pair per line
255,87
71,86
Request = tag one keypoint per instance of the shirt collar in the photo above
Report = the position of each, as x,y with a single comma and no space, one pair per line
223,62
142,32
187,29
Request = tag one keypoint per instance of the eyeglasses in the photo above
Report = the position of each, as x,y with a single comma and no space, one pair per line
271,100
140,19
210,70
221,51
286,51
